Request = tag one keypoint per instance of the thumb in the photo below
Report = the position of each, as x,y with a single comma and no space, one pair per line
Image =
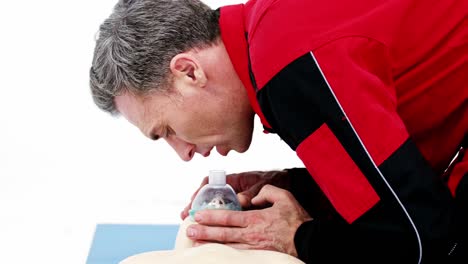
269,194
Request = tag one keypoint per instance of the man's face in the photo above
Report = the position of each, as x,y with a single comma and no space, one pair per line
194,121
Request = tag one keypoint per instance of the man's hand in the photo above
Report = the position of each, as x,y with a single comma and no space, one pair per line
272,228
247,185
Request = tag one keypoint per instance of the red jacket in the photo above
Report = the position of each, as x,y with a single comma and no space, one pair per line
372,96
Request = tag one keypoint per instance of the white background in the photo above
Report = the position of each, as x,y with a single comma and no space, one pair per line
65,166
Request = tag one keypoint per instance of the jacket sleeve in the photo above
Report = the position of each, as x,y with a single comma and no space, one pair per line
336,107
309,195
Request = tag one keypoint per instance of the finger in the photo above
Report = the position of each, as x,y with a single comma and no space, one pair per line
201,233
183,215
186,210
222,218
269,194
246,196
244,200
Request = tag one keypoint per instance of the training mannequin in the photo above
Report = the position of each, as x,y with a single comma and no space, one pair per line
184,252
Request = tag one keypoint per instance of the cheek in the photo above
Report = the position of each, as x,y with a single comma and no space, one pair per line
199,120
191,126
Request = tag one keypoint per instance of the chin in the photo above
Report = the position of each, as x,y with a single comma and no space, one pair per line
244,147
242,141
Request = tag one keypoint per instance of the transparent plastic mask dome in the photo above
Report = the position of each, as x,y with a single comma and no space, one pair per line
215,195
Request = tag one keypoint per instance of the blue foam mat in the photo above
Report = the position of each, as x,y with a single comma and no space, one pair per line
114,242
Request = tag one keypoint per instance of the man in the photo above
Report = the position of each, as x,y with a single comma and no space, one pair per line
371,95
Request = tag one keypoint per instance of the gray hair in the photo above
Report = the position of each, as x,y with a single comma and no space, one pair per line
139,39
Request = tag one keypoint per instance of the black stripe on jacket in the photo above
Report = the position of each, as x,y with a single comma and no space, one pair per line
296,102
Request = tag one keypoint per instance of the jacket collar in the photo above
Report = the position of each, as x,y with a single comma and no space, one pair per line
234,36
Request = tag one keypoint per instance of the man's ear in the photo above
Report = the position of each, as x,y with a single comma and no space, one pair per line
188,69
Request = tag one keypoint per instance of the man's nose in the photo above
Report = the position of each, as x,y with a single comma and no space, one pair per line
184,149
